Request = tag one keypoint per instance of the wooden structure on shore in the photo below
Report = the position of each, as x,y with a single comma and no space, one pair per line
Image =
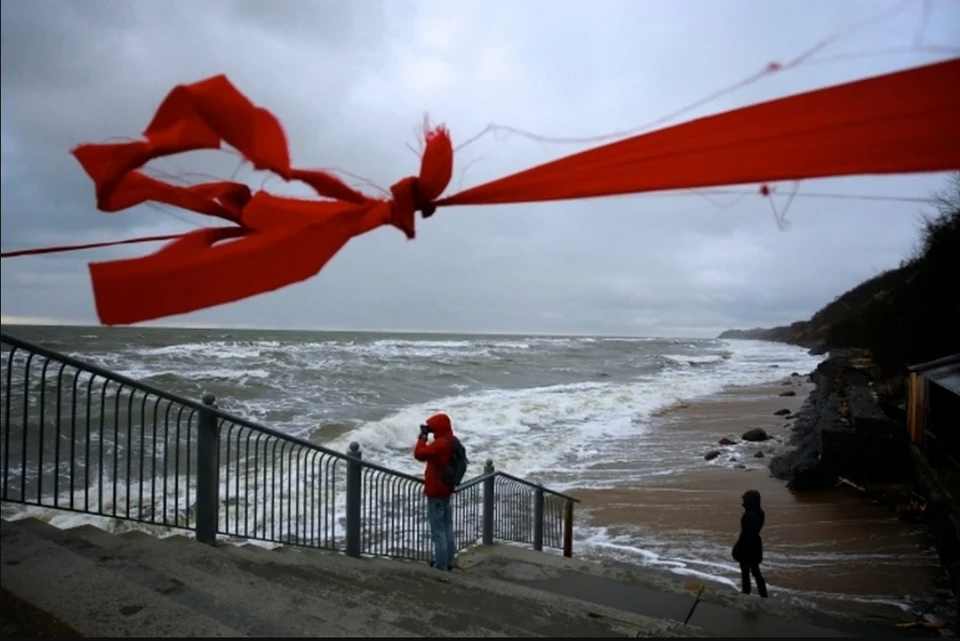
933,420
933,410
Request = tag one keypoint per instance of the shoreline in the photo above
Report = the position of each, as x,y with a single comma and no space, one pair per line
828,548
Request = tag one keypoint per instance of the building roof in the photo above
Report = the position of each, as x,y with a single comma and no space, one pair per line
944,372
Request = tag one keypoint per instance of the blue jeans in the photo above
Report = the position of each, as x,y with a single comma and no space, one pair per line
440,514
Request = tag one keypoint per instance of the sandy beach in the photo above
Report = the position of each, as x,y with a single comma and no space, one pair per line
832,548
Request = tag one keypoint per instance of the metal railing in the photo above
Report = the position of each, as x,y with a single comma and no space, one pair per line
81,438
509,508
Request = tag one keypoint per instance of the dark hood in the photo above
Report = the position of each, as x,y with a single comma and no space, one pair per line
751,500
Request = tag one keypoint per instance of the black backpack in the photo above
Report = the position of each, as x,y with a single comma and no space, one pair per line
453,474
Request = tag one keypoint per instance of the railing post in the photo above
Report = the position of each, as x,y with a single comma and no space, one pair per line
538,520
488,503
208,472
354,490
568,528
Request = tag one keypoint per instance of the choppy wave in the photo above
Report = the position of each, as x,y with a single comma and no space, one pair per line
568,426
299,381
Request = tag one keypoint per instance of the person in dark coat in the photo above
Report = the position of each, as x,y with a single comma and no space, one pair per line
748,550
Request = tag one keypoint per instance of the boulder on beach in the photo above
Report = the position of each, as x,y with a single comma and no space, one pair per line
782,412
712,454
727,441
740,466
789,392
759,454
755,435
795,374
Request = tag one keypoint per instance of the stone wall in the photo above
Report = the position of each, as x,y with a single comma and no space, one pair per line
842,431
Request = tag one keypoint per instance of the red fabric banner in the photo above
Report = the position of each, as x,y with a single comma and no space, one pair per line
903,122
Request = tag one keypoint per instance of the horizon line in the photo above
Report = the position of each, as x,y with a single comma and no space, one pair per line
34,321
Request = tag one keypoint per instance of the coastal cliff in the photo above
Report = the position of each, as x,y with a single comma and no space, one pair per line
851,426
798,333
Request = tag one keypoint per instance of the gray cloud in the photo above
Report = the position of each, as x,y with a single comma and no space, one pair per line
351,82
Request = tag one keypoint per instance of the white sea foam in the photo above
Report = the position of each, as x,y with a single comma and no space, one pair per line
532,430
597,542
694,360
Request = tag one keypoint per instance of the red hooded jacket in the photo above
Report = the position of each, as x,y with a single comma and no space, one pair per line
436,455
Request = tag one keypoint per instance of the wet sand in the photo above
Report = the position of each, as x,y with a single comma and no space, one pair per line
834,549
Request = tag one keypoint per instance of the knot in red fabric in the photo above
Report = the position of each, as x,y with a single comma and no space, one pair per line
413,194
408,199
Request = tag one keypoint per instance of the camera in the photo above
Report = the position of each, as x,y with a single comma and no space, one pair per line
424,431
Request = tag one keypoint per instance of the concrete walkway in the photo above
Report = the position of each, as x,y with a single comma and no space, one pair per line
630,589
101,584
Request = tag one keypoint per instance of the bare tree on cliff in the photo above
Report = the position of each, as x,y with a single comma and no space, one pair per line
942,228
913,314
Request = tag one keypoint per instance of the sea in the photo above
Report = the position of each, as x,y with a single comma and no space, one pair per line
559,410
544,407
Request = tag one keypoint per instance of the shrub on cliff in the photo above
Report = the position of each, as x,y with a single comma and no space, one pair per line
909,314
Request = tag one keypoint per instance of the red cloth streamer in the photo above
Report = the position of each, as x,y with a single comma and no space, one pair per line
901,122
69,248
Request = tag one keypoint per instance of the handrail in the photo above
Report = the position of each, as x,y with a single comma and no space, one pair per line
537,486
101,371
477,480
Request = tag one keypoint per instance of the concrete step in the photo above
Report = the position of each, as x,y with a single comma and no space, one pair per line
535,611
357,612
345,584
235,599
296,592
90,598
368,609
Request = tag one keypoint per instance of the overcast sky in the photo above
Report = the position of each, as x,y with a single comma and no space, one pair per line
351,81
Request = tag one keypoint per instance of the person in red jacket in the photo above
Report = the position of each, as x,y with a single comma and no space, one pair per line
436,454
